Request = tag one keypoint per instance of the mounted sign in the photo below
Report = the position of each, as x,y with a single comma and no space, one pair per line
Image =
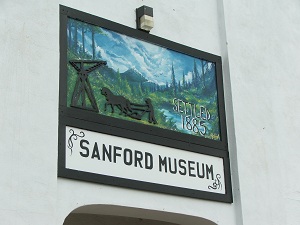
117,81
110,156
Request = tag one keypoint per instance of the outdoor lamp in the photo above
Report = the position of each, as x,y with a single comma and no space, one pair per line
144,18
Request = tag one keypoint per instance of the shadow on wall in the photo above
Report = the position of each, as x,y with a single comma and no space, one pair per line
118,215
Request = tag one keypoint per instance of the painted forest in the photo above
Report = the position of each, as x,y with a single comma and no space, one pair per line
182,88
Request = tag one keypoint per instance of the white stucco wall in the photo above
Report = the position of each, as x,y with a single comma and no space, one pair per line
263,43
258,42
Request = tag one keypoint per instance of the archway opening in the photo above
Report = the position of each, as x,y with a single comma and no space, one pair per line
120,215
92,219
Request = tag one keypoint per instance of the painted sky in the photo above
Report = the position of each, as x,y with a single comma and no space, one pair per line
154,62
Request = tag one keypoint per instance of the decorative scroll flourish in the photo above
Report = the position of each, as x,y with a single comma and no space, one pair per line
72,137
127,108
217,184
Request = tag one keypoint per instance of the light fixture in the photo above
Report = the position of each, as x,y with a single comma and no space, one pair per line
144,18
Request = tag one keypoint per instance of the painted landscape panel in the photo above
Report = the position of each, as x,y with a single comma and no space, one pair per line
140,82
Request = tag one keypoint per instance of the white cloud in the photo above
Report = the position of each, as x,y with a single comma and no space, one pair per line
109,35
105,56
189,76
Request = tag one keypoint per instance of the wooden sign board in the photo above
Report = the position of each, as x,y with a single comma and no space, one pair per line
124,84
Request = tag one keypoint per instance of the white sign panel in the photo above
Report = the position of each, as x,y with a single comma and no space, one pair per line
108,155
